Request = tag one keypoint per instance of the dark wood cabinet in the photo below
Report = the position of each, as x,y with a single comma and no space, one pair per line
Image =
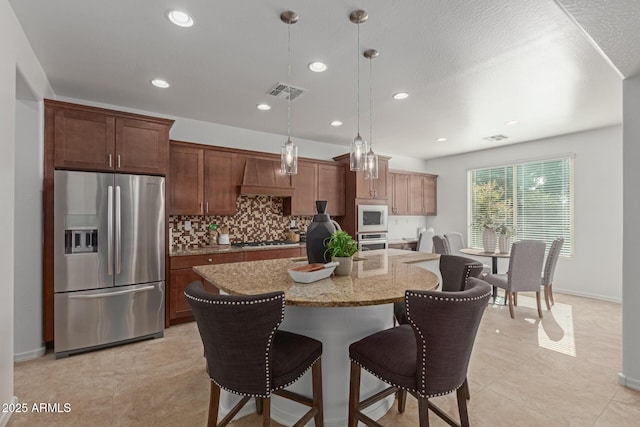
423,194
398,193
317,181
186,185
220,188
305,192
331,187
95,139
181,274
373,188
202,181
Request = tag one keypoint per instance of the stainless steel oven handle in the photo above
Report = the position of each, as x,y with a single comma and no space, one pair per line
110,294
118,230
110,230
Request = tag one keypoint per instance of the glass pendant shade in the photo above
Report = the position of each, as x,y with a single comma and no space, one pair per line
289,158
371,165
359,148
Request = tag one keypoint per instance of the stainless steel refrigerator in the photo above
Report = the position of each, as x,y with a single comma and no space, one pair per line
109,259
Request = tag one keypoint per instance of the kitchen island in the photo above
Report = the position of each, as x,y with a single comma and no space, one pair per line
337,311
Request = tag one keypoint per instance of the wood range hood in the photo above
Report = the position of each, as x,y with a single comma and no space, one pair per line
262,177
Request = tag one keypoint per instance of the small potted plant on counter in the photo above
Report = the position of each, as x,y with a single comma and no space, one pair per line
341,247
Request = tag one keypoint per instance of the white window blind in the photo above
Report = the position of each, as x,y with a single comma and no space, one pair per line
536,197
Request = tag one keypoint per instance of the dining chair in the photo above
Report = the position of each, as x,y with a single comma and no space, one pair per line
249,356
426,357
455,272
425,244
525,267
550,269
456,244
440,245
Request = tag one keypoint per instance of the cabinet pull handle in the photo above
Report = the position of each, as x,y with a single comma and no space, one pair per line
201,207
207,207
110,160
119,161
210,260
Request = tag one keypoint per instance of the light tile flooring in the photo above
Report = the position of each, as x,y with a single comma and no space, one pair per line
557,371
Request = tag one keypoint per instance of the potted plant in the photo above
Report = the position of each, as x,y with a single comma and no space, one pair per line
491,210
341,247
505,232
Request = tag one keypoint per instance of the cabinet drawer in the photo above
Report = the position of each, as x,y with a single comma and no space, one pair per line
189,261
272,254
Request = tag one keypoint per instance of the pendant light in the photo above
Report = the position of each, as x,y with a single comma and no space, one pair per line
371,162
359,147
289,152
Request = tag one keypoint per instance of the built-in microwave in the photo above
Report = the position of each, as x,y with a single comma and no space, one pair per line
372,218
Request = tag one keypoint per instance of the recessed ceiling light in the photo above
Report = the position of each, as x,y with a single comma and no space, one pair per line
336,123
160,83
400,95
317,67
512,122
441,139
181,19
263,107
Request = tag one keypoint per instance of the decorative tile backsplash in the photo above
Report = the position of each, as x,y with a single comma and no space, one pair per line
258,218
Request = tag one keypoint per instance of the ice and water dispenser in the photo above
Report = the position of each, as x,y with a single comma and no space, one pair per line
80,241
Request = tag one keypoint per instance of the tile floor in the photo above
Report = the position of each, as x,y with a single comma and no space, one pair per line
558,371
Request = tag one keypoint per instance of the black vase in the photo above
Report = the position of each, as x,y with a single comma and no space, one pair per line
317,233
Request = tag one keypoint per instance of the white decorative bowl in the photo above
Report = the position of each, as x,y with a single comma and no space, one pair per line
312,276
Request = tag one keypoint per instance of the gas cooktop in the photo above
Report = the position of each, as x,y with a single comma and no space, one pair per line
266,243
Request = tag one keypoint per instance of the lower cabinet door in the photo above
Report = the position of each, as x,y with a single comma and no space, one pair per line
179,310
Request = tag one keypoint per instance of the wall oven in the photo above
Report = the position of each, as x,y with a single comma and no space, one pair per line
372,241
372,218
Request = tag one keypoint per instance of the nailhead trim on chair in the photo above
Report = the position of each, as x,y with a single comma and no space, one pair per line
269,341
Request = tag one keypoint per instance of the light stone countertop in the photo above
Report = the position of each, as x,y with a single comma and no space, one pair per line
380,277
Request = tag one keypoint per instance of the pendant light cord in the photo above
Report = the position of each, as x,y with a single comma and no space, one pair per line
358,68
289,83
370,104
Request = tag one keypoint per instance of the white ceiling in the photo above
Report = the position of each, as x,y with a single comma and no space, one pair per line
469,66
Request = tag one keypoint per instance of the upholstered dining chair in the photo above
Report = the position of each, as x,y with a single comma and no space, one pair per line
525,268
247,355
440,245
456,244
550,269
427,357
455,272
425,243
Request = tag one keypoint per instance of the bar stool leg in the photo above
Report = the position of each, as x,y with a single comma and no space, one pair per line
354,394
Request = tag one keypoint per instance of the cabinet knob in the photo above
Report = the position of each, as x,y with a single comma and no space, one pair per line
210,260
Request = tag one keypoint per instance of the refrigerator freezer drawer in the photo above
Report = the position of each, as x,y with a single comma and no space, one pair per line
97,318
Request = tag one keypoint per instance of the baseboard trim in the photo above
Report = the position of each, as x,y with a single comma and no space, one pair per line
625,381
4,416
29,355
586,295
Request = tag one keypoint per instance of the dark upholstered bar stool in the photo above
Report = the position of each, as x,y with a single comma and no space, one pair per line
455,271
427,357
247,354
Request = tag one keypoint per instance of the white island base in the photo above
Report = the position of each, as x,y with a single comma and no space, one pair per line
337,328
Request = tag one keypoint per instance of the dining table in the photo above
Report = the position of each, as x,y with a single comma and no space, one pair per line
337,311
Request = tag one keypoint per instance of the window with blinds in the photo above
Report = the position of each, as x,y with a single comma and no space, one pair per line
534,200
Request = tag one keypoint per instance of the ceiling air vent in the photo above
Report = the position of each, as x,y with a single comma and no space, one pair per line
279,90
495,138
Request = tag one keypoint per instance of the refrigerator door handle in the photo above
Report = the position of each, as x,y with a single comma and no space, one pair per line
118,230
111,294
110,230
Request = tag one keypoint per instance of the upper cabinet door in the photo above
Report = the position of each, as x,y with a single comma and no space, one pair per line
141,147
331,187
83,140
220,188
186,179
305,193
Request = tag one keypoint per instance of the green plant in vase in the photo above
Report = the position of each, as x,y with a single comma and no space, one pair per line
341,247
